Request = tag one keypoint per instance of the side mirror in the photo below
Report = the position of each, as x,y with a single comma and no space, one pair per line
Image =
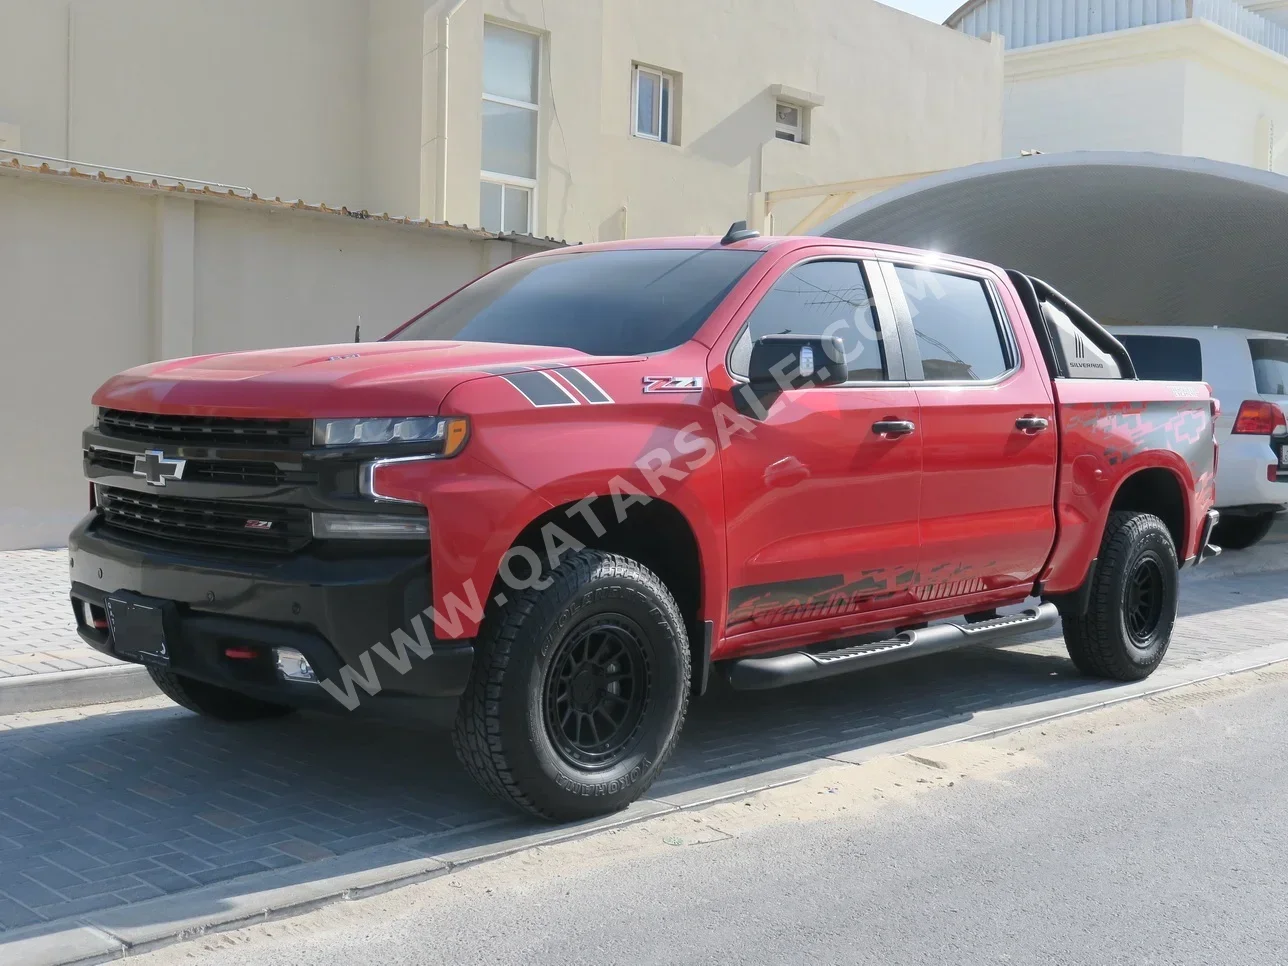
780,362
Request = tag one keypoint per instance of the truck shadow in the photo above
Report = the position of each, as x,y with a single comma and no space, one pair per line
101,813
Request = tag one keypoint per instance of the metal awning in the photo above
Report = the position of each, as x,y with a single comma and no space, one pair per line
1131,237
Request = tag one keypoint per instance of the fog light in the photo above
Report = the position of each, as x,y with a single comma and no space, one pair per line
293,665
369,526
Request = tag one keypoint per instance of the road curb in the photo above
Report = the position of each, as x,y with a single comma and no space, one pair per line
145,926
57,690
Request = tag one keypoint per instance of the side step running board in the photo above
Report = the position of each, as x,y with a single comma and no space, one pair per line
796,667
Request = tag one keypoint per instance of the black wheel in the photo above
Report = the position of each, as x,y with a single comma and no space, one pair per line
211,701
578,691
1240,533
1128,624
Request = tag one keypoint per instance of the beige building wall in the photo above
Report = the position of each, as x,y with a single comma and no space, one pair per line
900,95
338,100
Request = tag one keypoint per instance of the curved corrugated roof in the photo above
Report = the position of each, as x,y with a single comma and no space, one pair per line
1141,237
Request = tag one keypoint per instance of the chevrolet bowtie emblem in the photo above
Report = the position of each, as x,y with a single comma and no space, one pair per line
156,468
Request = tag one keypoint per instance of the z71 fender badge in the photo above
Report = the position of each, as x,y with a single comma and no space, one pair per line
673,384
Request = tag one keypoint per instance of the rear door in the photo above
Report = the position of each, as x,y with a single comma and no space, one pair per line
988,433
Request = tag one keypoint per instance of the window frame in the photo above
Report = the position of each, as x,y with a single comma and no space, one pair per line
503,182
667,84
1011,353
515,181
886,318
797,134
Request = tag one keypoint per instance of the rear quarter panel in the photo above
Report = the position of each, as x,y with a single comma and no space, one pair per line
1105,440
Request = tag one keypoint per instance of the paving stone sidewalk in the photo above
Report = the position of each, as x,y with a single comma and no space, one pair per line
37,632
107,808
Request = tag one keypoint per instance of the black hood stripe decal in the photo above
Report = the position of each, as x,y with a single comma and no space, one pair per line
541,389
585,385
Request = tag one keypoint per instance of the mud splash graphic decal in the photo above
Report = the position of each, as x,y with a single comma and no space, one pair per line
1126,429
815,598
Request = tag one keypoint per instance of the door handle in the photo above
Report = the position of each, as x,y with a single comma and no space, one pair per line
893,427
1031,424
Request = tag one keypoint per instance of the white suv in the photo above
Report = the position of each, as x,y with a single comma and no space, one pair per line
1248,373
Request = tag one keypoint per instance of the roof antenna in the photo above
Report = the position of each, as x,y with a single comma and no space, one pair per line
737,232
357,330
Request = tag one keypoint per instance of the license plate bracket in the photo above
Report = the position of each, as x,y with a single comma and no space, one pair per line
138,629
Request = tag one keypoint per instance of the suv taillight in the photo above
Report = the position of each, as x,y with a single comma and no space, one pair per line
1259,418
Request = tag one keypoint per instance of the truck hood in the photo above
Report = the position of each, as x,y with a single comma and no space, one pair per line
349,379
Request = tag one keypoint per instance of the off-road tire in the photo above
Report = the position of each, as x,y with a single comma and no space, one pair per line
505,733
1112,640
211,701
1240,533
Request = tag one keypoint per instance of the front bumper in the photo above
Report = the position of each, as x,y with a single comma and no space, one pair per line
331,608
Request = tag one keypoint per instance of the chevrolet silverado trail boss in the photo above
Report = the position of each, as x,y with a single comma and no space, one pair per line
560,501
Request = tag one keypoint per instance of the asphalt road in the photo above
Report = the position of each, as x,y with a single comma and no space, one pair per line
1153,833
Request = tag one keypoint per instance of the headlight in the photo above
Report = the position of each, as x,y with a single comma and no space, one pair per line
450,431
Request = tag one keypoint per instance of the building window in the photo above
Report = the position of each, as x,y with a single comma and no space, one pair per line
511,74
653,99
789,122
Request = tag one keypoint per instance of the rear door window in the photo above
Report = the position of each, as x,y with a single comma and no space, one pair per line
1174,358
1270,363
957,332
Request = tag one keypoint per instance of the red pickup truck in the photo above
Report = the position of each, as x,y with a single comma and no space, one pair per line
557,503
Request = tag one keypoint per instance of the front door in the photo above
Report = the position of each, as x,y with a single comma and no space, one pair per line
822,494
989,439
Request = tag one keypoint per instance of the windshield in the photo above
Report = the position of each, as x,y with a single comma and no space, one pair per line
608,303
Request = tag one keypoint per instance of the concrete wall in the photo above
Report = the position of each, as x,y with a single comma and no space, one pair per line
76,286
95,279
264,280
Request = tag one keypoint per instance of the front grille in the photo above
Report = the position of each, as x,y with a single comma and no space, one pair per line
206,430
259,527
200,471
